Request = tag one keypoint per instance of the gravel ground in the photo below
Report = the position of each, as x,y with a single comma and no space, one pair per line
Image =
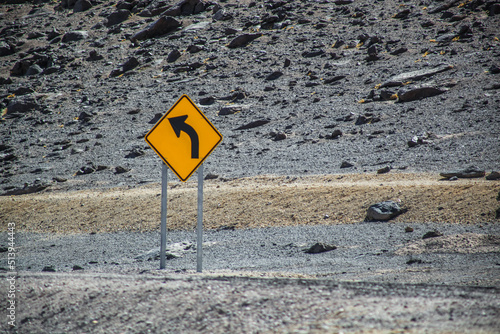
90,303
378,279
378,252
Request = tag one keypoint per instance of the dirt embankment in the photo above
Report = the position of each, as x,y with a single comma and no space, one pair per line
253,202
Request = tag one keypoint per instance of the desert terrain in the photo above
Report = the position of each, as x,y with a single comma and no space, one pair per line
325,107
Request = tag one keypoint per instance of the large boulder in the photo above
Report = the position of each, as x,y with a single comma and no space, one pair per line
383,211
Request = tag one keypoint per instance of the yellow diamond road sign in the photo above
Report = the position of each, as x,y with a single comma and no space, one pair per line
183,138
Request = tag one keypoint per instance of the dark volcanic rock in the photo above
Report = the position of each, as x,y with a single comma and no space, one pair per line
432,234
173,56
493,176
118,17
253,124
346,164
23,105
129,65
243,40
6,49
73,36
162,26
320,247
419,93
82,5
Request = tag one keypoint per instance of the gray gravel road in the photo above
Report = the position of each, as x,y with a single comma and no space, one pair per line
365,251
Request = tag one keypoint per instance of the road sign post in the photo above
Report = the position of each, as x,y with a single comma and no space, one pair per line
199,225
183,138
163,227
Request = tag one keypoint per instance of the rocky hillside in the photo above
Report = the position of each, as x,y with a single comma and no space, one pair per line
295,87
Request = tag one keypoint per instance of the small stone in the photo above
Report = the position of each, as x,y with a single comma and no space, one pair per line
398,51
34,70
49,269
384,170
494,9
493,176
367,118
93,56
279,136
222,15
134,153
372,53
408,229
314,53
402,14
334,79
229,110
253,124
420,140
419,93
82,5
211,176
84,116
121,170
207,100
118,17
432,234
346,164
23,105
59,179
413,261
173,56
336,134
6,49
320,247
242,40
494,69
162,26
275,75
85,170
35,34
129,65
73,36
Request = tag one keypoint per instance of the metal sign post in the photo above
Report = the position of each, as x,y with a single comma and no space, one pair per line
199,229
163,239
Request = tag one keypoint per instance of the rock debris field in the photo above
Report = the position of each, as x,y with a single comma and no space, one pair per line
356,188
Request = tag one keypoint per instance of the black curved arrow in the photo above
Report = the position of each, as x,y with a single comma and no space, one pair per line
179,124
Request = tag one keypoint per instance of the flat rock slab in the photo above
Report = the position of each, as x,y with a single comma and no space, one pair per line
469,172
401,79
